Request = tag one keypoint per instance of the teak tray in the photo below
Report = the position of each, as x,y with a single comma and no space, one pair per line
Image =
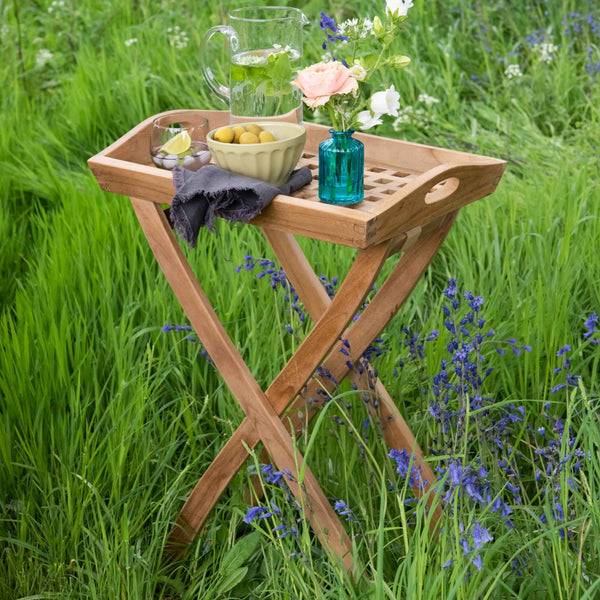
407,185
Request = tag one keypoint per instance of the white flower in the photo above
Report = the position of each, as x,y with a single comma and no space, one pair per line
409,115
367,28
385,103
177,37
130,41
56,5
513,71
355,29
43,57
426,99
366,120
347,26
400,7
546,51
358,72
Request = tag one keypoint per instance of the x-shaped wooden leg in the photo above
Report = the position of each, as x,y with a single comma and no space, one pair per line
262,422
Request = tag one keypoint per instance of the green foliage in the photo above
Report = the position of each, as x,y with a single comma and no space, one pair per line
106,422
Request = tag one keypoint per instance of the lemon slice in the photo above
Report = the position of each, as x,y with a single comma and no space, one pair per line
178,143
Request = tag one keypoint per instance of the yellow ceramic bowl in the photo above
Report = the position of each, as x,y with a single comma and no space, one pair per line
271,162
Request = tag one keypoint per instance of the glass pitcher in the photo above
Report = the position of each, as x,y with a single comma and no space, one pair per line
265,52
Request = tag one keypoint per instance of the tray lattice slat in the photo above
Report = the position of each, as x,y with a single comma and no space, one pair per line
380,183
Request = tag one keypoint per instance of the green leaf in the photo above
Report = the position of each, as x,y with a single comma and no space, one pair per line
279,67
368,61
232,579
240,553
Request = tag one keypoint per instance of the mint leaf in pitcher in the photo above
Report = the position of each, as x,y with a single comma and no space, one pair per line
279,68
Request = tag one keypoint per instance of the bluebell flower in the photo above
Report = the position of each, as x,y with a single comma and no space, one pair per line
328,25
327,22
480,536
253,512
591,324
342,509
450,291
405,461
191,338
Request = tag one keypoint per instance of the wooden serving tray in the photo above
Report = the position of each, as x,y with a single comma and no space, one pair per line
407,185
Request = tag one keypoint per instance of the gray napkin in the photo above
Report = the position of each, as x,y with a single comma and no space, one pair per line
214,192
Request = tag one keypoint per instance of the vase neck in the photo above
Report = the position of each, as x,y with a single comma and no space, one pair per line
341,134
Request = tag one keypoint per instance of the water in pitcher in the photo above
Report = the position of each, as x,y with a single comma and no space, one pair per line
260,83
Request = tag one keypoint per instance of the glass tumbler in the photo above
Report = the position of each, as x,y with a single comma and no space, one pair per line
179,138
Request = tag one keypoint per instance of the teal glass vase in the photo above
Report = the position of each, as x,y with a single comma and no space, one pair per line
341,169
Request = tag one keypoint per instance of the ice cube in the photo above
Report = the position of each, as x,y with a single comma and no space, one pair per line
203,156
189,162
169,161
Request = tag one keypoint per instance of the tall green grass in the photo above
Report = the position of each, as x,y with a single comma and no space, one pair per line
106,422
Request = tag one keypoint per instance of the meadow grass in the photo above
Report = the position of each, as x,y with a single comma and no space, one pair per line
106,421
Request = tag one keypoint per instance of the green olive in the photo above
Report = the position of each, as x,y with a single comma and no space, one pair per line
238,130
266,136
255,129
248,138
225,135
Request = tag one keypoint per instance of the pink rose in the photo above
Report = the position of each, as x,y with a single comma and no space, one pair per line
322,80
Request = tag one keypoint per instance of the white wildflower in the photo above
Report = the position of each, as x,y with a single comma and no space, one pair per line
426,99
56,5
399,7
513,71
404,116
130,41
354,29
546,51
385,103
358,71
408,115
347,26
367,28
366,120
43,57
177,37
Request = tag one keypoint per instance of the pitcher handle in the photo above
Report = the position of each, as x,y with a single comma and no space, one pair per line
216,86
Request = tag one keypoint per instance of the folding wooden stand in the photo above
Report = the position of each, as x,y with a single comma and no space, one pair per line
412,196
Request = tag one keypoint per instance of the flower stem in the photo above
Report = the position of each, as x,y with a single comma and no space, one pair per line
334,122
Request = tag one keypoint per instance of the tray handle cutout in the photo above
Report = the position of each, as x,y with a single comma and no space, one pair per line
442,190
